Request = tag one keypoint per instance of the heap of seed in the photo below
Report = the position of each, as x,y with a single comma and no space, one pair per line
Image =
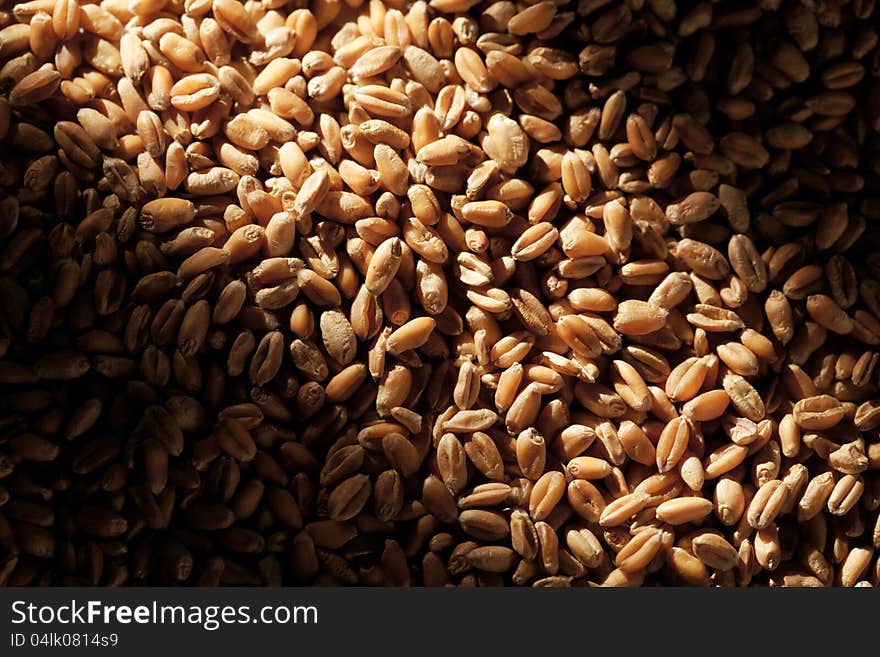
457,292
